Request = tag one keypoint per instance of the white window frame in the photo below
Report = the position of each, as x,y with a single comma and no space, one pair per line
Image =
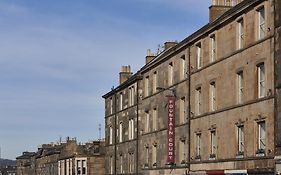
261,80
182,111
199,55
111,164
147,121
154,154
67,166
155,82
146,86
79,163
131,95
213,142
182,151
121,132
121,164
240,87
213,48
213,96
154,118
261,135
170,74
131,129
183,71
241,35
198,144
131,162
198,99
261,23
110,135
111,105
121,101
241,138
147,155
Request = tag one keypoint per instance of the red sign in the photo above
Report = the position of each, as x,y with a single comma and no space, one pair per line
171,130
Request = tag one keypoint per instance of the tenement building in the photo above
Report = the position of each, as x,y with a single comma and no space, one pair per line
209,104
64,158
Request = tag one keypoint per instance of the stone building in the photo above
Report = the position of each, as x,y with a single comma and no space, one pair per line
8,170
209,104
122,116
25,164
66,158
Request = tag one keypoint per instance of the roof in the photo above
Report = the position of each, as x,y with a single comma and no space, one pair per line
26,155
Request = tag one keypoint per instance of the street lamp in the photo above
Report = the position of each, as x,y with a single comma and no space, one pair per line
164,89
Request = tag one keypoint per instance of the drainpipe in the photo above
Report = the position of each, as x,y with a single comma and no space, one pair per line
115,133
137,155
189,110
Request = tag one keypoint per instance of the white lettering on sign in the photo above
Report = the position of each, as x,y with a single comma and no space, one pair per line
171,130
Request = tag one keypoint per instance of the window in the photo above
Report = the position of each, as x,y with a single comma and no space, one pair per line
170,74
182,110
111,164
261,80
182,152
110,135
131,162
65,167
183,70
155,82
146,86
111,105
146,156
78,166
261,127
120,132
154,118
261,23
240,89
241,34
213,96
154,155
121,101
81,167
131,96
121,163
147,121
84,167
199,56
131,129
213,47
240,139
198,99
213,144
198,145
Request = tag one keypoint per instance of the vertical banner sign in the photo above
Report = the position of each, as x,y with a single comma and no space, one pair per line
171,130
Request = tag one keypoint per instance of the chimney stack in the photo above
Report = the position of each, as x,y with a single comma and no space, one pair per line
125,74
169,44
219,7
149,56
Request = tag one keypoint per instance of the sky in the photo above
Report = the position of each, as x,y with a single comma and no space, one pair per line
58,57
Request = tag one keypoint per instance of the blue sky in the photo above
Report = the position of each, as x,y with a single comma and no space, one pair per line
58,57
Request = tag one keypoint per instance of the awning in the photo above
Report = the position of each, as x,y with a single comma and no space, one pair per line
198,173
217,172
266,171
235,172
